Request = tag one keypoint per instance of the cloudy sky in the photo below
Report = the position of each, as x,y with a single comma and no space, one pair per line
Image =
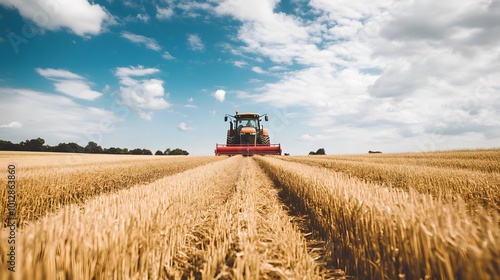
345,75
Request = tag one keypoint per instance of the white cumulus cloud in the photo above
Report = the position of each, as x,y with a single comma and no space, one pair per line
258,70
77,88
123,72
164,13
312,138
142,95
279,36
150,43
14,124
143,17
239,63
190,103
80,16
195,42
166,55
409,69
55,118
57,73
70,83
184,127
220,95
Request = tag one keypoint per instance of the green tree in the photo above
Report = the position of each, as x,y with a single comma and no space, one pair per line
158,153
68,148
320,151
136,151
33,145
93,148
141,152
175,152
9,146
114,150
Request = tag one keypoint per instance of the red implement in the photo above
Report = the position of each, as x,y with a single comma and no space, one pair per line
247,150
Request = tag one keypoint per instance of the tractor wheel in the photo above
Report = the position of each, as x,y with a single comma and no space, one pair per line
230,140
265,140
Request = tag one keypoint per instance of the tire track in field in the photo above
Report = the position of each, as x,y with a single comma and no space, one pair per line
40,193
250,236
383,233
319,246
474,160
476,188
131,234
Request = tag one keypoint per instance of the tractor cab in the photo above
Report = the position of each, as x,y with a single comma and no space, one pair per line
247,122
247,136
247,129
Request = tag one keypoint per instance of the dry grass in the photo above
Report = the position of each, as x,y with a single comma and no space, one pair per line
476,188
386,233
204,223
251,237
135,217
17,155
474,160
45,184
132,234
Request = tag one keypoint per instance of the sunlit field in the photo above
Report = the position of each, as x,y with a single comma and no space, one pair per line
374,216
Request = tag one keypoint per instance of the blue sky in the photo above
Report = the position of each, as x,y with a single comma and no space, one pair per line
347,76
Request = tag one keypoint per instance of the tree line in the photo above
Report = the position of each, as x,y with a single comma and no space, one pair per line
38,145
320,151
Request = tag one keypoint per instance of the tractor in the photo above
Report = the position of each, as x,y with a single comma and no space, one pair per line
246,136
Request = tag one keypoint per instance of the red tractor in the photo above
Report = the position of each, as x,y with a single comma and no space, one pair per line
246,136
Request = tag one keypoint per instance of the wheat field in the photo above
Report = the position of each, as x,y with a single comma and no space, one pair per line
380,216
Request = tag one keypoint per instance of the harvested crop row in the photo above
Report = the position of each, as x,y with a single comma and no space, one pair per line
132,234
482,165
386,233
43,191
250,236
475,188
483,154
28,161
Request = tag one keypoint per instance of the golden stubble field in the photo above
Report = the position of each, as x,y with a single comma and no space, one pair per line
378,216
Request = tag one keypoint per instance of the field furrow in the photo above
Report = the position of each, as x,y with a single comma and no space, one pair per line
385,233
32,161
251,236
132,234
406,216
474,187
204,223
464,155
482,165
42,191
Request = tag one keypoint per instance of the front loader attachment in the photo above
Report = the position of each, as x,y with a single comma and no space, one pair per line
247,150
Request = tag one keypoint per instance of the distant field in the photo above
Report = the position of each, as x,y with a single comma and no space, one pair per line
372,216
16,155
